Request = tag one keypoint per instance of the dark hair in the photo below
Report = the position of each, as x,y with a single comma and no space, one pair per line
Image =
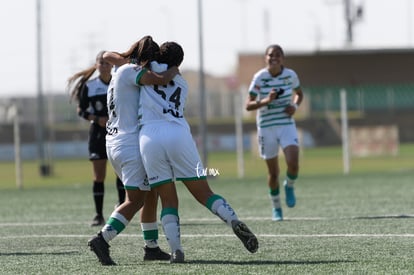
143,51
78,80
275,46
171,53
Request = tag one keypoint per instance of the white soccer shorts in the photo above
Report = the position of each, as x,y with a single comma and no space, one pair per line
127,163
169,153
270,138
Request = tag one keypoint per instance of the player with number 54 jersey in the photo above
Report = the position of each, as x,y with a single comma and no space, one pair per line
168,101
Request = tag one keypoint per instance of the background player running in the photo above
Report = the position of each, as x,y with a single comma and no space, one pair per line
276,94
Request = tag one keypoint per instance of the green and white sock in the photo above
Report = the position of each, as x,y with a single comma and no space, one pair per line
290,179
115,225
171,226
275,198
150,234
219,207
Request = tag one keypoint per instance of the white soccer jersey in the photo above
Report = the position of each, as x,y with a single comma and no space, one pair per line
161,103
263,82
168,150
123,102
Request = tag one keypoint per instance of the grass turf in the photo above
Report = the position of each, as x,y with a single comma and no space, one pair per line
360,223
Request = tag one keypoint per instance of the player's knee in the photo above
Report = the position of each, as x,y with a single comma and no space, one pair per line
293,167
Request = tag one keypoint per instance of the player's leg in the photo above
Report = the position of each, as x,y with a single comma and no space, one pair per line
220,207
121,190
117,222
121,216
292,161
186,164
290,144
149,227
170,220
268,147
202,192
127,163
273,185
97,154
152,142
98,189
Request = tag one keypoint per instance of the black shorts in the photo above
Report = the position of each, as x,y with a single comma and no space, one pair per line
97,143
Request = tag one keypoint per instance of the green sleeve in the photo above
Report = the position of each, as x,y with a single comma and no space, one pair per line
140,74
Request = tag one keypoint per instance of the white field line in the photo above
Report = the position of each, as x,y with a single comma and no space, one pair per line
138,235
33,236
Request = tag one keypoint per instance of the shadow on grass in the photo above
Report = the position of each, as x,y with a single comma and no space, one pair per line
256,262
38,253
385,217
189,224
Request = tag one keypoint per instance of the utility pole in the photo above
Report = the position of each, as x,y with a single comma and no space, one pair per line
352,16
203,120
44,167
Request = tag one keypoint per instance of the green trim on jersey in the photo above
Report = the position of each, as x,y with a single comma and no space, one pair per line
140,74
274,113
131,187
252,93
276,124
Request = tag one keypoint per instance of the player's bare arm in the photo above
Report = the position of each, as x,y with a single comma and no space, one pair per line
297,100
115,59
153,78
254,104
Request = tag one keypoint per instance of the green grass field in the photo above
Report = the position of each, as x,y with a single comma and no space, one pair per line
361,223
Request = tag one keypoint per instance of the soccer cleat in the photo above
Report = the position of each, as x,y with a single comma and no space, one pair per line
277,214
98,220
177,257
101,248
248,239
153,254
290,195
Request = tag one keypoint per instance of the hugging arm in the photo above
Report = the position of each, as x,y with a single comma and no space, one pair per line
115,59
153,78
